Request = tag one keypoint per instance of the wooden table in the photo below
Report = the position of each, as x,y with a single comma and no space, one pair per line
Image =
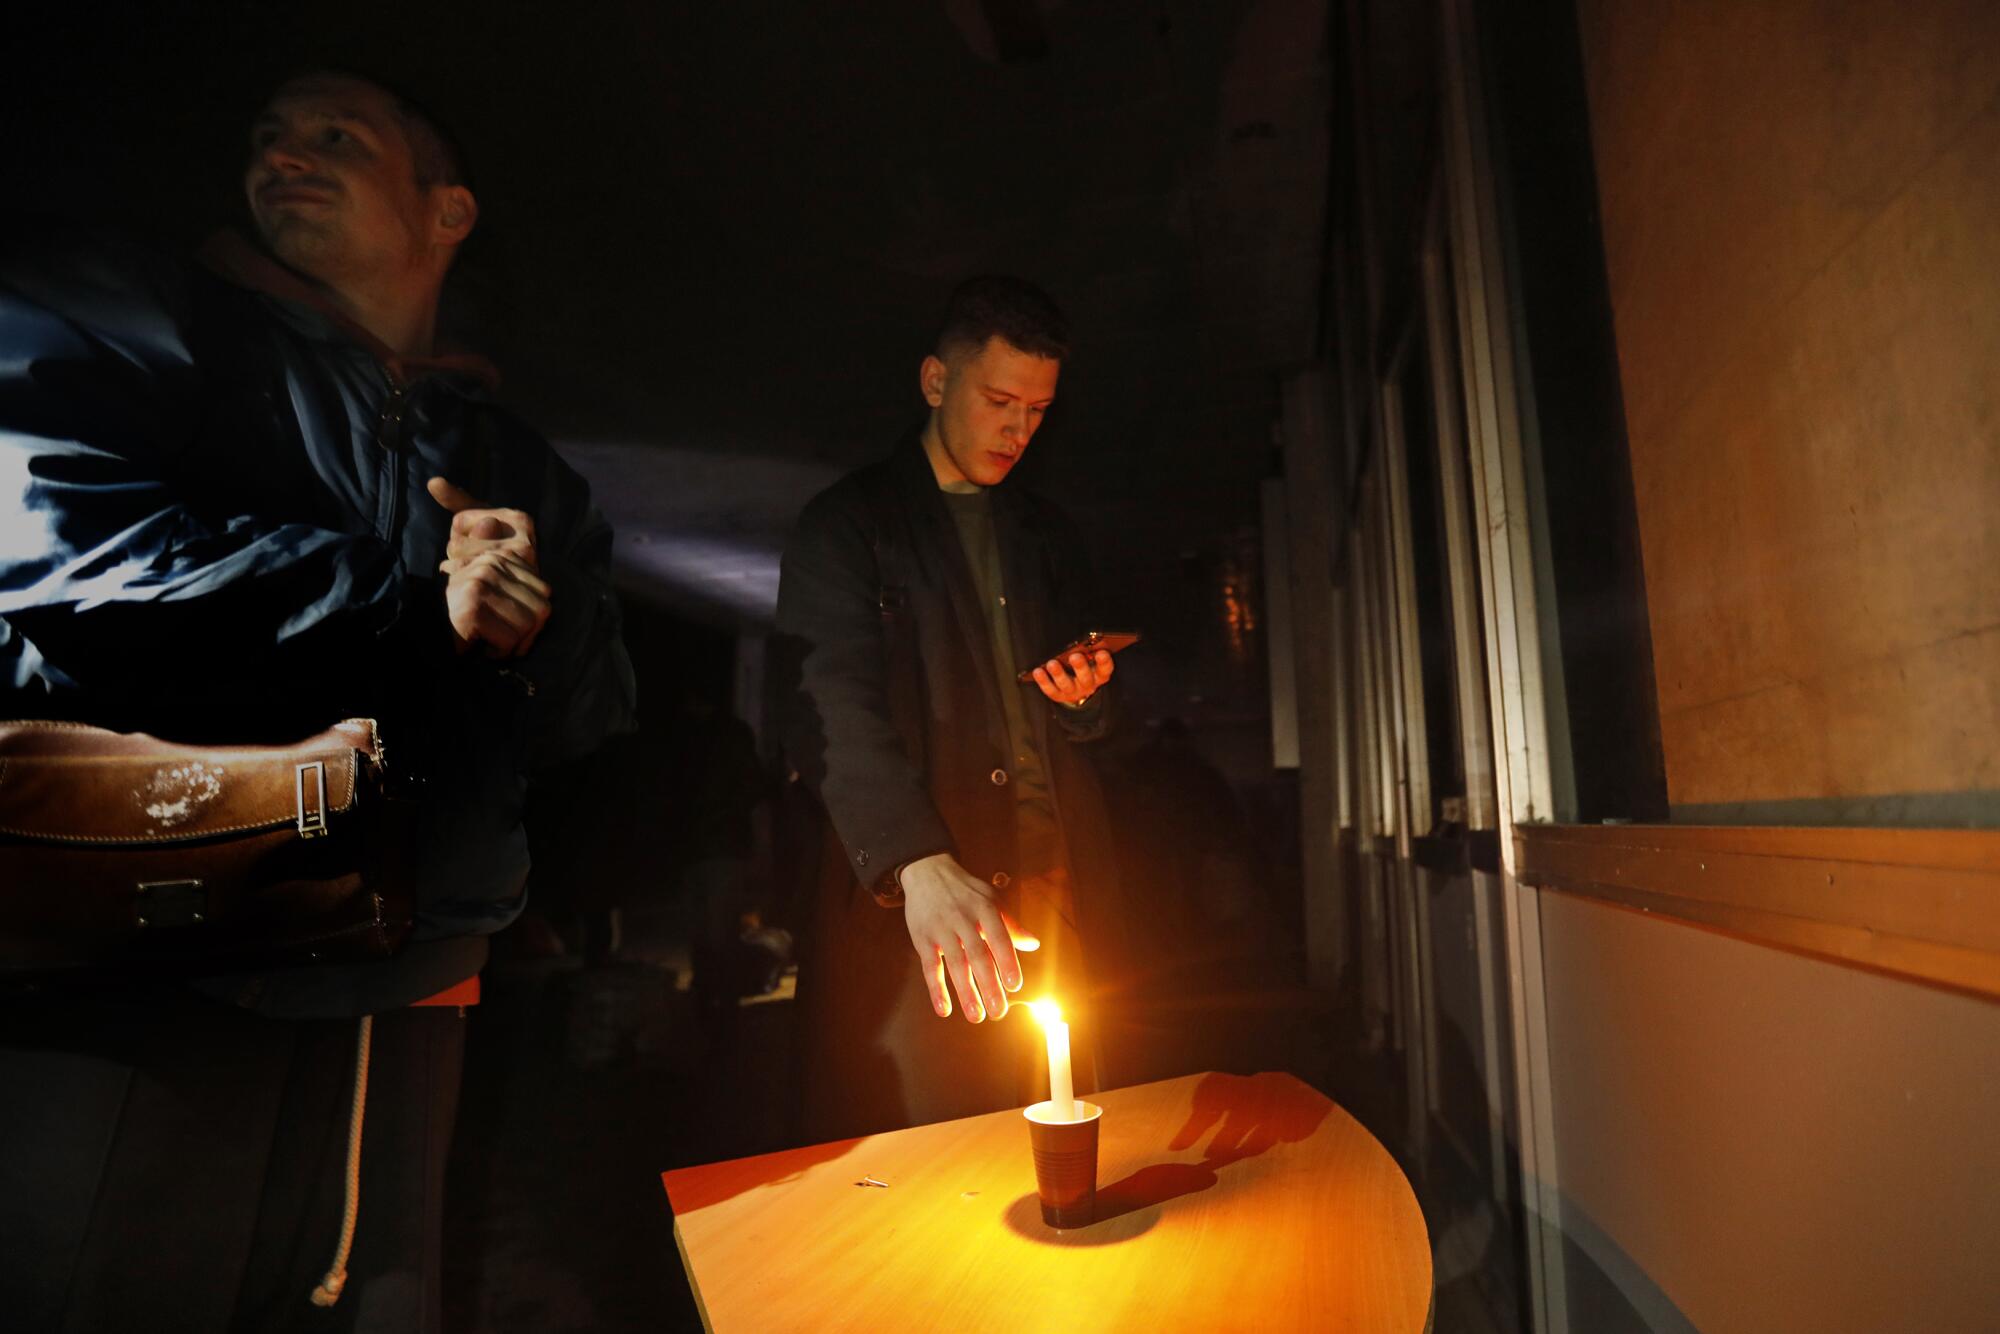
1223,1203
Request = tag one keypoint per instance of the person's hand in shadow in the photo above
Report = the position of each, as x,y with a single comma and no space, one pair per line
1253,1114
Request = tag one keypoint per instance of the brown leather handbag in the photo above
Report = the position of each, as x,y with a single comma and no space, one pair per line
119,850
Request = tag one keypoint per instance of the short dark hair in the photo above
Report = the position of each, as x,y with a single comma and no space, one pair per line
997,306
438,158
434,151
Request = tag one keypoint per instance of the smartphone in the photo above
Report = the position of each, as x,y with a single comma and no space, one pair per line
1110,641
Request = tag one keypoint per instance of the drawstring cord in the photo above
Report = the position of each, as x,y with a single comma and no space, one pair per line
328,1291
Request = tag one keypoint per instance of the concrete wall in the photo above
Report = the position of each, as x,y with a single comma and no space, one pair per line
1753,1140
1801,216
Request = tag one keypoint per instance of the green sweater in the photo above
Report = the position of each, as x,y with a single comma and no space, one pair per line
972,512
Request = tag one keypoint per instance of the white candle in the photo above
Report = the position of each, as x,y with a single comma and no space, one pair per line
1062,1092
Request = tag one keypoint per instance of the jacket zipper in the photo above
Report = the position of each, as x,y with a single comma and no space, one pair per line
389,435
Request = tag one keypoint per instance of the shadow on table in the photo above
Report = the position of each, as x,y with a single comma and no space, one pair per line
1249,1116
725,1181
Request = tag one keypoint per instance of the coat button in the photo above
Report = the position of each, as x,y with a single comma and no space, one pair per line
861,858
1001,879
999,778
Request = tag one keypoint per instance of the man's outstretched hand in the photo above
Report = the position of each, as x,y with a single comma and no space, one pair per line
958,929
494,594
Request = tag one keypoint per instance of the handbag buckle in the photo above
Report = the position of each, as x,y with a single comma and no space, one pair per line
312,822
171,903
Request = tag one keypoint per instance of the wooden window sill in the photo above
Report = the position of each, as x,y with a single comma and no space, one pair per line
1922,904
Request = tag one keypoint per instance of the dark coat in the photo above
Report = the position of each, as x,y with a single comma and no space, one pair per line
216,528
893,719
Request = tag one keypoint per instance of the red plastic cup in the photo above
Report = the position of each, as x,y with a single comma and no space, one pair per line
1065,1163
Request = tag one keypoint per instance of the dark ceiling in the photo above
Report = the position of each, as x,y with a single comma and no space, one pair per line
716,235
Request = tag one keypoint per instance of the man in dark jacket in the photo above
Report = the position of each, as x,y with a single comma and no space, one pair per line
240,500
965,816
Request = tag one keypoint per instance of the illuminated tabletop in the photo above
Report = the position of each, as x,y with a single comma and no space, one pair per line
1223,1203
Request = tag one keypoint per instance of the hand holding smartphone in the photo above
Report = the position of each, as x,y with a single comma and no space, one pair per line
1108,641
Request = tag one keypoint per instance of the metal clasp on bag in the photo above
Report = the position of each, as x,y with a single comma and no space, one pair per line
171,903
312,823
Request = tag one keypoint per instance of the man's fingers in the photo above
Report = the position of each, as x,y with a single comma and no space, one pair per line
1078,680
487,524
497,569
496,601
934,979
962,938
997,943
961,980
449,496
527,644
980,962
465,550
1091,672
1072,683
477,527
508,579
1023,940
515,572
479,599
501,623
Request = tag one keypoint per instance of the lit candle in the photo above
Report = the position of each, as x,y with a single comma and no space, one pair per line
1062,1093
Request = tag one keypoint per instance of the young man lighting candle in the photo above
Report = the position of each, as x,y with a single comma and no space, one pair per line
962,806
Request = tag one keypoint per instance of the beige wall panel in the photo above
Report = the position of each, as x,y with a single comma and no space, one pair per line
1822,517
1740,145
1942,713
1887,724
1802,222
1770,1141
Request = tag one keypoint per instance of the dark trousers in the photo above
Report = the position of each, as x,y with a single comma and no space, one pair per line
171,1163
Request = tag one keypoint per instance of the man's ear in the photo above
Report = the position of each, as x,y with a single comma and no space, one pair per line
931,377
457,213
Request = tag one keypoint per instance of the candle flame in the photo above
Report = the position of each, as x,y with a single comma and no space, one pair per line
1046,1011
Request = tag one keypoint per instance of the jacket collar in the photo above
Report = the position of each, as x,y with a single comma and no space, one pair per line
232,257
1023,534
914,478
918,484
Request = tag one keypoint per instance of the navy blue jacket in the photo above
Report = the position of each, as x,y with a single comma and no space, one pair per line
213,526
